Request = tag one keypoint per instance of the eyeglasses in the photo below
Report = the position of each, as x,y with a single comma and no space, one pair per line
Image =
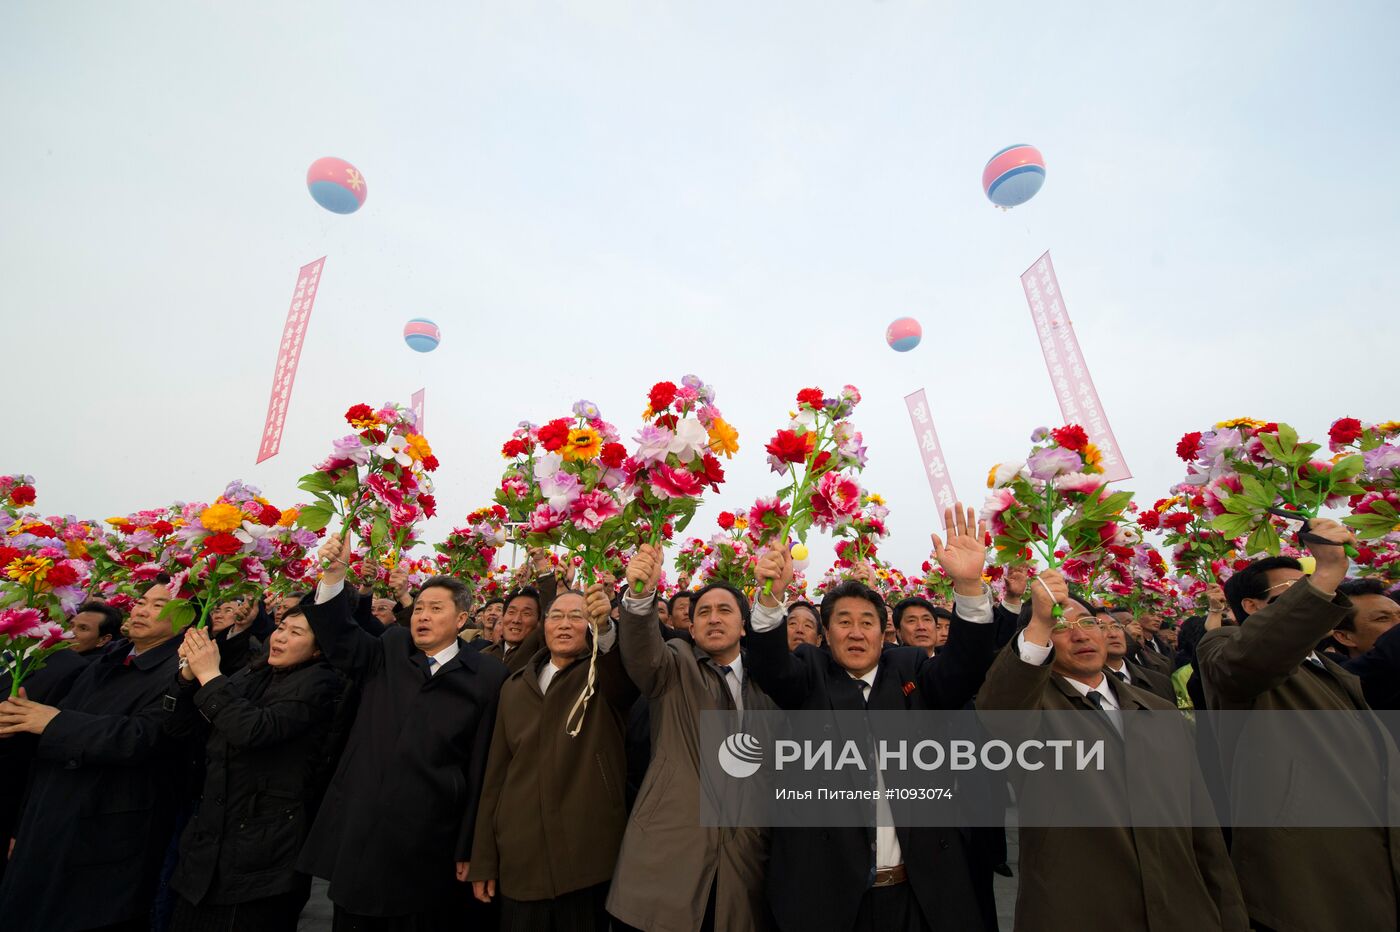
1285,585
562,616
1083,624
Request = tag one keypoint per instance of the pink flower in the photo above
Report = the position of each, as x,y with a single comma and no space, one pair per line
675,482
591,509
1078,482
545,519
16,621
835,501
997,504
383,490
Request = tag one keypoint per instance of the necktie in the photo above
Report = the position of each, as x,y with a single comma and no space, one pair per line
1121,676
864,692
129,657
1096,700
432,665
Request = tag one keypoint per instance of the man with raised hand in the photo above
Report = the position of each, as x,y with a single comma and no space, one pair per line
673,873
394,834
1302,879
883,875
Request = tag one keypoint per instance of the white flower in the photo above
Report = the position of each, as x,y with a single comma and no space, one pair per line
251,533
396,453
690,436
547,464
1006,472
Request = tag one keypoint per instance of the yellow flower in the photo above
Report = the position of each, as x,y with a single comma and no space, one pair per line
584,444
77,548
221,517
723,438
418,447
1092,458
1165,504
742,523
1388,427
117,522
365,423
874,498
1249,422
29,570
289,517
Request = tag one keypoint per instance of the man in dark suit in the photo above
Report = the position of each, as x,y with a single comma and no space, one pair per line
1371,639
394,834
101,802
1141,832
1118,664
883,875
1309,879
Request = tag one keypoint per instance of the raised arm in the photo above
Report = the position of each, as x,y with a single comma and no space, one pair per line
787,677
81,739
645,657
347,646
952,678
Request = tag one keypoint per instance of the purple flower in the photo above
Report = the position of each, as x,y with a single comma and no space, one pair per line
561,489
1040,435
304,538
586,409
1380,459
238,492
652,443
350,448
693,381
1053,461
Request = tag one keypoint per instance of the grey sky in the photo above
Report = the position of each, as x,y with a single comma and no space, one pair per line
592,196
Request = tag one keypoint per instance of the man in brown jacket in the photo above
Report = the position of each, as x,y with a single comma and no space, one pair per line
1302,879
552,807
520,621
674,874
1118,664
1108,873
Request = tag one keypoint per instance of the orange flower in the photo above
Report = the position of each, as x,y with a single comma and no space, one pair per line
583,444
418,447
1093,459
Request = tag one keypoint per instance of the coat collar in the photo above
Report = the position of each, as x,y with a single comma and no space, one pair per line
147,659
1127,700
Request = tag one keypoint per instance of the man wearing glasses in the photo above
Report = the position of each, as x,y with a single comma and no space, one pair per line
1318,879
1173,876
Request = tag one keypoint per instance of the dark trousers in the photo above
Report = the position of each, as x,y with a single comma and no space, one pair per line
890,909
577,911
434,921
277,913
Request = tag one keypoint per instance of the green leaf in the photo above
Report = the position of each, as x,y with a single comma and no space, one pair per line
347,485
1256,493
315,482
1271,446
1232,525
226,568
180,613
315,517
1264,539
1287,438
1369,527
1347,467
379,532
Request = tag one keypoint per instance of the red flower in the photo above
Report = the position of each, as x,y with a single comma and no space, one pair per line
162,529
810,396
224,544
22,495
428,504
668,421
41,530
725,521
612,455
9,555
61,574
374,435
661,396
668,530
1149,520
822,458
1343,431
1189,446
1071,437
269,516
1365,555
359,413
675,482
788,447
513,448
714,472
1176,521
430,463
555,434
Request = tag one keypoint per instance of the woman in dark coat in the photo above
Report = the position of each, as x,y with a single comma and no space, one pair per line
267,726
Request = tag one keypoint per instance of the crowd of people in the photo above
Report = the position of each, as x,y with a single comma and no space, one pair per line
533,762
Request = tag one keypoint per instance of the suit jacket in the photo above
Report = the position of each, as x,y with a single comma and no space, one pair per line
935,857
1160,659
1151,879
1152,681
669,859
553,807
1379,671
1290,876
517,657
409,780
101,804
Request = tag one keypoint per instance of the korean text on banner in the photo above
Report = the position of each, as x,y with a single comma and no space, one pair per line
934,466
417,405
288,355
1074,389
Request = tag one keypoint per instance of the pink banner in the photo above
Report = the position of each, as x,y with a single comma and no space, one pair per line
934,466
1074,388
417,404
288,355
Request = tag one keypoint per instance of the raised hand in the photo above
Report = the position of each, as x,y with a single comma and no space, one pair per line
598,605
1016,578
774,568
965,554
1048,593
644,570
335,558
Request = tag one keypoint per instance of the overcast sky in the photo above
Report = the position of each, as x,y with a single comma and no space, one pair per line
589,197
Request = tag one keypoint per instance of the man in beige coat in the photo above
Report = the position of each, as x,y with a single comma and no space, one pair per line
1302,879
1114,870
674,874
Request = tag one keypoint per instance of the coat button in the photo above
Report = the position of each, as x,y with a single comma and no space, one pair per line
943,843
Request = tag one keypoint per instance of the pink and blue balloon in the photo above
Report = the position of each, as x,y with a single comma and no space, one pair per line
904,334
421,335
337,185
1013,175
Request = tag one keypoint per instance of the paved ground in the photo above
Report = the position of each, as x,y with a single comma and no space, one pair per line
317,915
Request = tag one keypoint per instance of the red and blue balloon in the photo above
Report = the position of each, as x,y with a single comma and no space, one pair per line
904,334
336,185
1013,175
421,335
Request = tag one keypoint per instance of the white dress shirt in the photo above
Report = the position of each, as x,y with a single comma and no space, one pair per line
605,643
1037,654
887,852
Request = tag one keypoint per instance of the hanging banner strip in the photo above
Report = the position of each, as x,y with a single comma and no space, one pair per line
288,355
1069,374
934,466
417,405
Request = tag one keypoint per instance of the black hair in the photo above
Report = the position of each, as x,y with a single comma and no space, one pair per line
912,602
721,586
851,589
801,603
524,592
461,592
496,601
111,623
943,613
683,594
1252,582
1368,585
